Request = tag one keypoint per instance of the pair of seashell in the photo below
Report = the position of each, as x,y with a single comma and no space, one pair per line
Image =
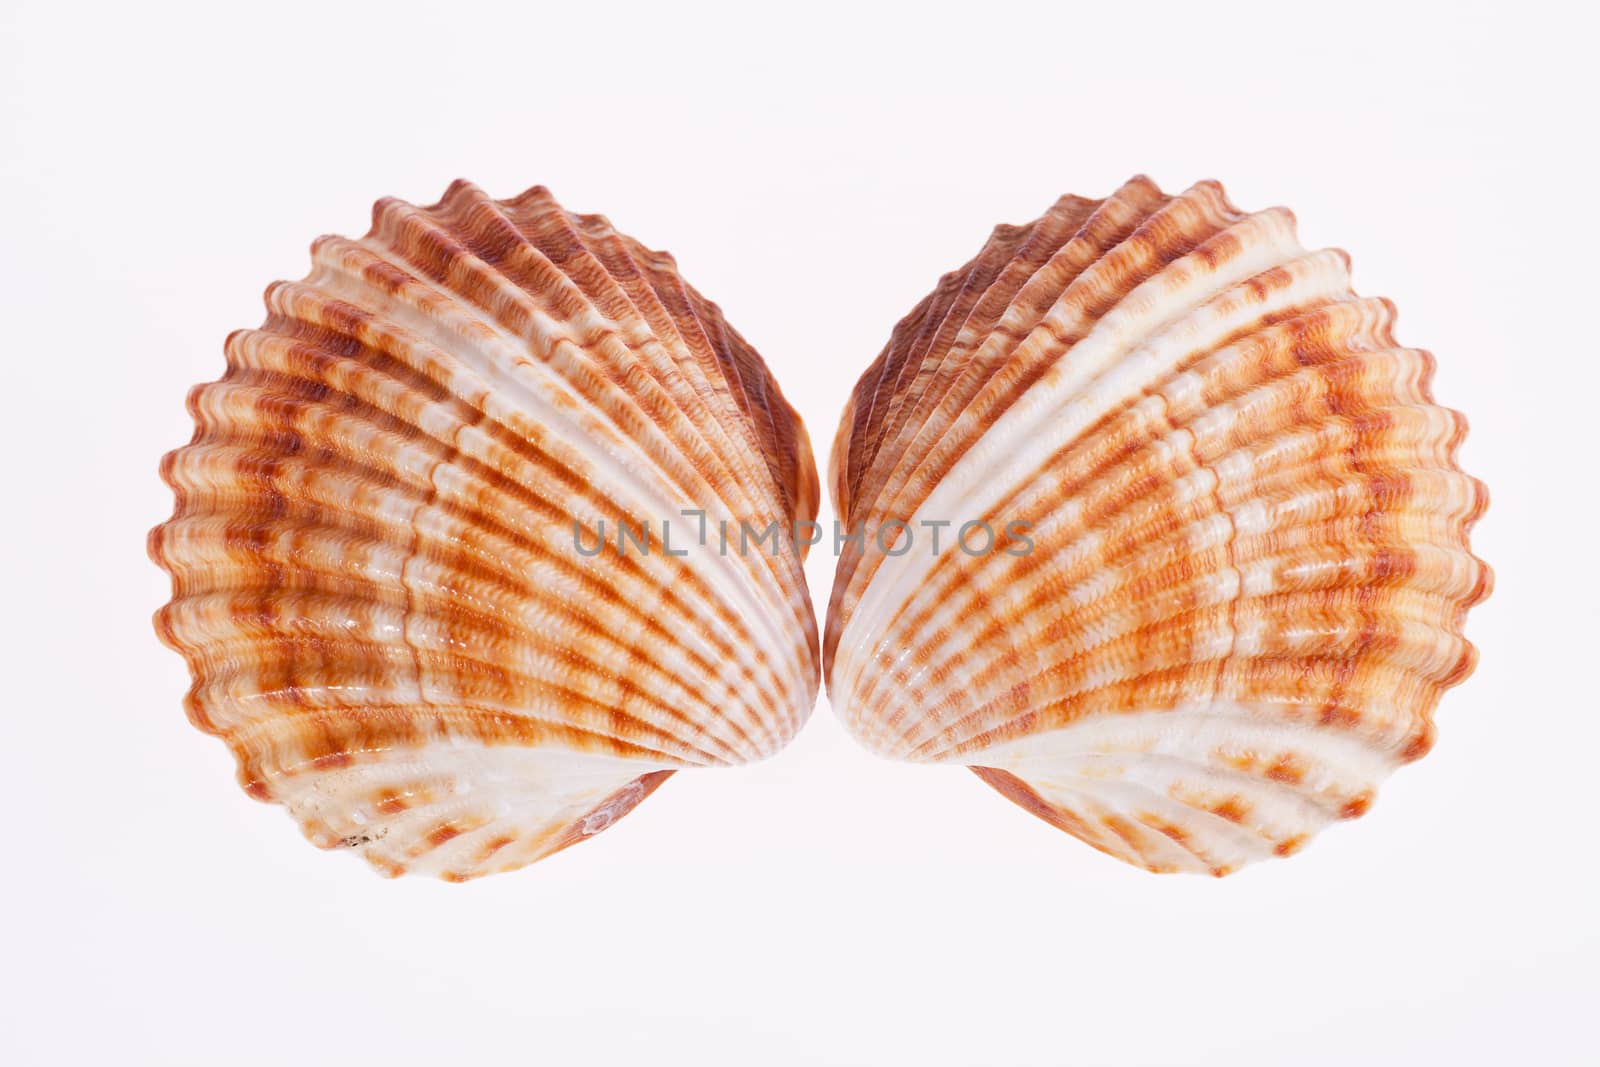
1226,557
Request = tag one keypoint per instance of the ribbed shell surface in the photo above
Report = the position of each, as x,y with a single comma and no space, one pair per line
375,553
1242,568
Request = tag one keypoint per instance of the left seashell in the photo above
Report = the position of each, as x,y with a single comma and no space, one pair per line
383,556
1219,565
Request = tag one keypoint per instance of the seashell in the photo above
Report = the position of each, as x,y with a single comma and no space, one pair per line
1238,585
383,574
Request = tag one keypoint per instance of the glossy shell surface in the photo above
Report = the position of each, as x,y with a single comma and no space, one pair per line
1230,562
377,554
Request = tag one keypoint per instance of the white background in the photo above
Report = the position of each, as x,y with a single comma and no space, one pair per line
814,170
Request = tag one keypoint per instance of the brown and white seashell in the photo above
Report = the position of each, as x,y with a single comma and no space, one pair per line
1238,585
377,580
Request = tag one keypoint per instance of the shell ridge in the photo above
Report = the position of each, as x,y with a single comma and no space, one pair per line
1180,544
1070,401
369,588
1023,417
512,440
993,270
934,595
1249,562
1012,283
1077,213
521,381
484,518
624,314
674,376
536,694
1263,797
1416,627
1111,222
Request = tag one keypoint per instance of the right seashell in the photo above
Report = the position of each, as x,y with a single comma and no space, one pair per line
383,556
1229,564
